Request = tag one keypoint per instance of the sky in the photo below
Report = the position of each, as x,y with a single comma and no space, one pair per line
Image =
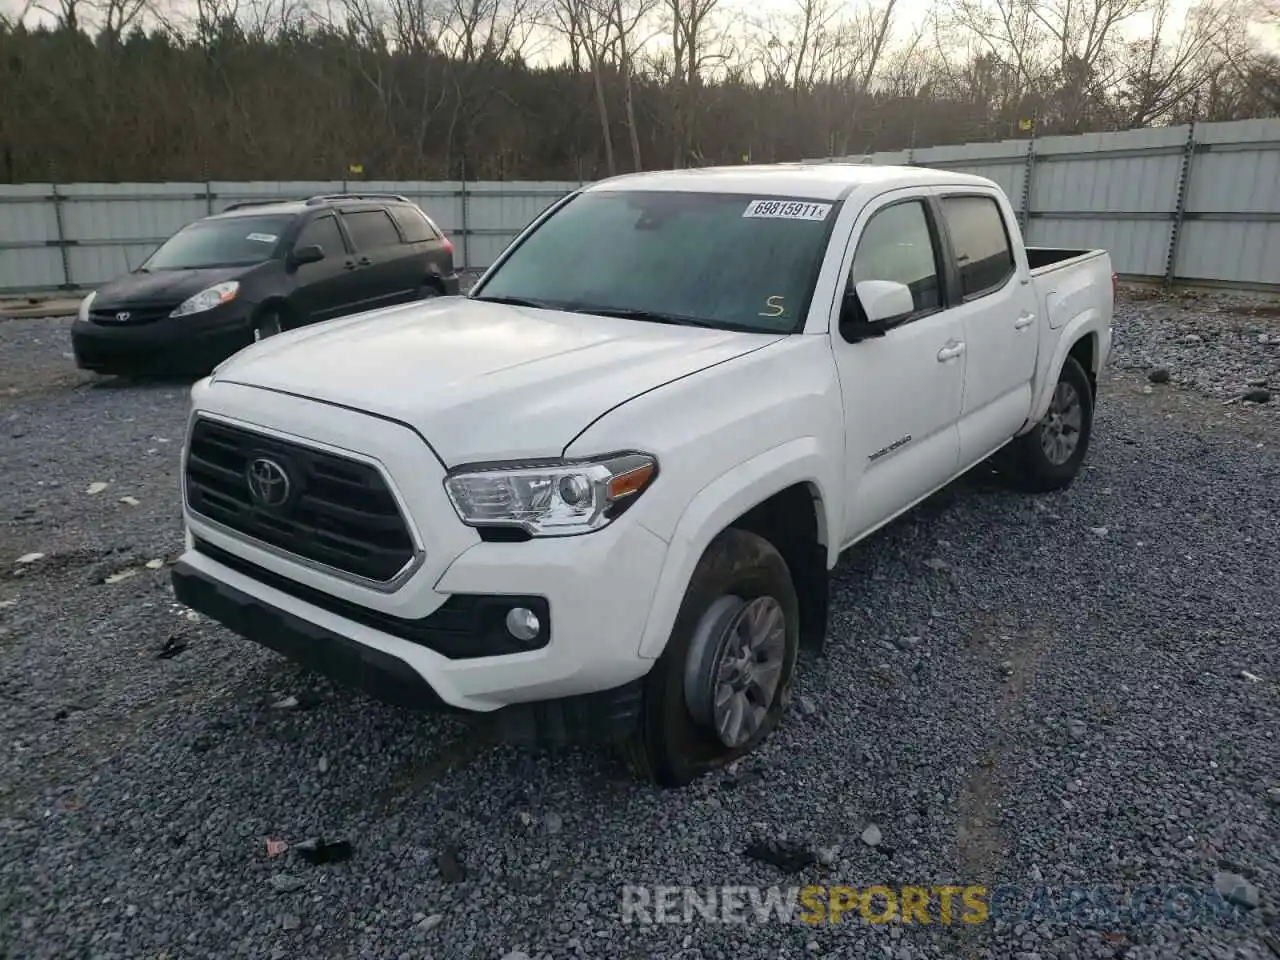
910,14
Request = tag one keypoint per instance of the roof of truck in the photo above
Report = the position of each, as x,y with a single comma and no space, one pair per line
819,181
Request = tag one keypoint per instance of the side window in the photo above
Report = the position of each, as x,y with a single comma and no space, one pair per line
983,254
897,244
324,231
413,225
371,229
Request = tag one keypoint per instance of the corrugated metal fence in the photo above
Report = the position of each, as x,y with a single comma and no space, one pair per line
1194,203
1177,203
73,236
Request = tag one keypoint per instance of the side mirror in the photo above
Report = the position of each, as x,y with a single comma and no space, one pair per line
872,306
308,254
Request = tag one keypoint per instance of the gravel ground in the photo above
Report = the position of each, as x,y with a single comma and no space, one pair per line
1076,690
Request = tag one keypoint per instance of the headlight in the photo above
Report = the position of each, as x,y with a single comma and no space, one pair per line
86,303
554,499
208,299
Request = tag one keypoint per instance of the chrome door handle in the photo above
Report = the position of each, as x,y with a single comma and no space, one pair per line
1024,321
950,352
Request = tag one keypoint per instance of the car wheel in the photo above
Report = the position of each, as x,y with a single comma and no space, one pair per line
1049,456
724,679
267,325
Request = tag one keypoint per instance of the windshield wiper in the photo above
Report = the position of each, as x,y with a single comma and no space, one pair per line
649,316
517,302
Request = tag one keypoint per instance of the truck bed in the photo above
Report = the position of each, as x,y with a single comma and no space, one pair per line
1044,260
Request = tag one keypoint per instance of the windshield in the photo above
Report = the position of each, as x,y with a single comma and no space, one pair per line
238,241
725,260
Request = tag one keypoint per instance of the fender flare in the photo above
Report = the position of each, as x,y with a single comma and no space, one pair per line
716,506
1080,326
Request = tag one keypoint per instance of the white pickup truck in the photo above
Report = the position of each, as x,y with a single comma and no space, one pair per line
598,498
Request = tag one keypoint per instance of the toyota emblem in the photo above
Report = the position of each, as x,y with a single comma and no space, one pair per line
268,482
123,316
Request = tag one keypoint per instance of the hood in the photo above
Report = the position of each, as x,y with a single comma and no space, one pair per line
483,381
162,288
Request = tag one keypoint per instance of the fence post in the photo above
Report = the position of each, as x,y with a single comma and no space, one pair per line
1028,172
62,232
1180,209
208,198
466,228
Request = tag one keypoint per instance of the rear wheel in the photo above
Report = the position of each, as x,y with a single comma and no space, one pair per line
1049,456
724,680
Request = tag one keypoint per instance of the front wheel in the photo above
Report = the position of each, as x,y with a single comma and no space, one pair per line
722,683
1049,456
267,325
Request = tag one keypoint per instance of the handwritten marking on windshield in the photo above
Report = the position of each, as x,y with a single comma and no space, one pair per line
774,306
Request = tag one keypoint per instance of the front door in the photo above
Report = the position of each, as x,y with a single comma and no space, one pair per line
326,288
902,391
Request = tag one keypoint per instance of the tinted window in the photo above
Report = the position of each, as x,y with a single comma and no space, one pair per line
371,229
727,260
325,232
982,247
235,241
896,245
413,225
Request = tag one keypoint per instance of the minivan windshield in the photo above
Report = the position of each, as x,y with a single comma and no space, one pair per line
237,241
730,261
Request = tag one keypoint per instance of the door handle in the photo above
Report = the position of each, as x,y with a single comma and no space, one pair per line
950,352
1024,321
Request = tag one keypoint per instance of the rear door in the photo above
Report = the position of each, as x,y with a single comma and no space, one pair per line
384,263
328,287
997,306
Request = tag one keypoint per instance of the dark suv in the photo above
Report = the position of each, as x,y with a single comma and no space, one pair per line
256,269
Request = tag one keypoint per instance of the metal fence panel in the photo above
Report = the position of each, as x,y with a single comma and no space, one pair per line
1169,203
77,236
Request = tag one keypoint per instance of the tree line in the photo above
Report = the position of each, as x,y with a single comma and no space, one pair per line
120,90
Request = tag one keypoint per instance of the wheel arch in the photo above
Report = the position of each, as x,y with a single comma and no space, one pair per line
1079,340
778,495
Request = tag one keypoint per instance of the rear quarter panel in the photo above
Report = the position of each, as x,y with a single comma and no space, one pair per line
1076,300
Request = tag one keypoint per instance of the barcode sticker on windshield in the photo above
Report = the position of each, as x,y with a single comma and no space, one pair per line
787,210
262,237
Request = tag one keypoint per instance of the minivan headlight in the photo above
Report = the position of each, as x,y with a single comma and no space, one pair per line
554,499
208,298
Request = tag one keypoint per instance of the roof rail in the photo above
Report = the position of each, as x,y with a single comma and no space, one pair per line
256,203
321,198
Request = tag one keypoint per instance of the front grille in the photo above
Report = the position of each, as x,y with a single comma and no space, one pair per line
137,315
336,511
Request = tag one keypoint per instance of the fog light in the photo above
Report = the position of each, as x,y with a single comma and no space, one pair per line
522,623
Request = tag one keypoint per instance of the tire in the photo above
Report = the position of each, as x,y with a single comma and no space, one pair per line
740,580
1028,460
266,325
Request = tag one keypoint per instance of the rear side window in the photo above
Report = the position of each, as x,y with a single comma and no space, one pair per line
983,253
323,231
371,229
413,224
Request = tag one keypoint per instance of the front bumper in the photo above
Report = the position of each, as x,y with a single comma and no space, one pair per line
193,344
